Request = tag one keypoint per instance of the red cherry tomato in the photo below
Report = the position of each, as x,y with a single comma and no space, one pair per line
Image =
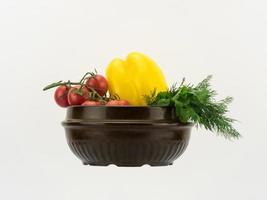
99,83
124,102
112,103
91,103
61,96
117,103
74,98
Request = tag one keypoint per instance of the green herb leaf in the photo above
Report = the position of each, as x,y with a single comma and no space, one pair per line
197,104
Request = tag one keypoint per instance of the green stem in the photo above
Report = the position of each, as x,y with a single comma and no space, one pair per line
179,89
83,78
60,83
95,92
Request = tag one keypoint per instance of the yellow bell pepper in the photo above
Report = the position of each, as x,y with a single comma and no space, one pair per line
134,77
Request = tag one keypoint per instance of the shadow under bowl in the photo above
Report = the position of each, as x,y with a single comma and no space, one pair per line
125,135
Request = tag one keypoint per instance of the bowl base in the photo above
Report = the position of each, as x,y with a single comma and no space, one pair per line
130,165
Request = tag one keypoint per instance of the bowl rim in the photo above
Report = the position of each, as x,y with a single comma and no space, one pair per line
118,106
157,115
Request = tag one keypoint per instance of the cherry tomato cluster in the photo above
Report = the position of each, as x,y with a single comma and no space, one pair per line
91,90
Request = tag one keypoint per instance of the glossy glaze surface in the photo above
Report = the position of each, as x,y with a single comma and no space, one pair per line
125,136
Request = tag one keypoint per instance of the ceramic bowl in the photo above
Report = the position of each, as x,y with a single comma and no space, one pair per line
125,135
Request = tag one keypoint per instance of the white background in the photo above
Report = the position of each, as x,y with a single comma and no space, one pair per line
46,41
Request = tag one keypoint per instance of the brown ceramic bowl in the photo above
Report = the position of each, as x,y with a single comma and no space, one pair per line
125,135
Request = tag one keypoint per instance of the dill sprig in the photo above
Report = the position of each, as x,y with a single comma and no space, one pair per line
197,104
